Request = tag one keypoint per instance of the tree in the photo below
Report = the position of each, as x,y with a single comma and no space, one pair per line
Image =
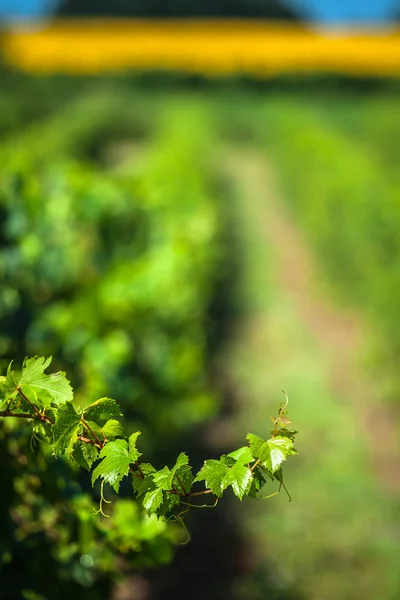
270,9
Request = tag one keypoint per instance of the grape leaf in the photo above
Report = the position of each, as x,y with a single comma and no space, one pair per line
7,387
147,468
185,481
113,429
240,478
152,500
231,470
259,479
116,457
85,454
101,411
132,446
181,461
54,388
29,400
271,452
141,486
290,433
66,428
243,455
168,503
163,478
213,473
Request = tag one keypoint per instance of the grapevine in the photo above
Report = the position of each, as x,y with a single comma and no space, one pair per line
94,437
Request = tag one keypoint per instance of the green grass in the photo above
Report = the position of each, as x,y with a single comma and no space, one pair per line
335,539
345,194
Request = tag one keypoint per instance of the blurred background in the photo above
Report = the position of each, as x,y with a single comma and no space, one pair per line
200,206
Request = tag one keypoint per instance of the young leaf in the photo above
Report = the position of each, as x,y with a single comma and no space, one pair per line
182,460
289,433
152,500
163,479
29,400
113,429
213,472
147,468
239,477
259,478
101,411
7,387
116,457
141,486
133,451
243,455
184,478
50,389
66,428
168,503
85,454
271,452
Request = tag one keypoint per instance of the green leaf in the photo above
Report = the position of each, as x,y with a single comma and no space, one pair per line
101,411
219,474
182,460
271,452
113,429
8,386
141,486
213,472
50,389
152,500
30,395
290,433
116,457
133,451
185,478
168,503
163,478
85,454
243,455
147,468
66,428
260,476
240,478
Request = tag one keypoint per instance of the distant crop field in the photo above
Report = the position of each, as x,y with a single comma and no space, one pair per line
206,47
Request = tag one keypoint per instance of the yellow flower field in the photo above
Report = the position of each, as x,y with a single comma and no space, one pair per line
208,47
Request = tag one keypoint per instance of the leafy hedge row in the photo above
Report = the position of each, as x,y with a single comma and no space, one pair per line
346,196
113,273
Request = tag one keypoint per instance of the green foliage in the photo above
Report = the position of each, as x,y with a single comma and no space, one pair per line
116,458
158,492
113,272
339,173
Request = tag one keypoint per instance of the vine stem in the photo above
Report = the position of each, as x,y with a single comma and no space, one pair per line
86,440
181,484
140,470
192,494
255,464
44,418
96,437
9,413
37,411
134,473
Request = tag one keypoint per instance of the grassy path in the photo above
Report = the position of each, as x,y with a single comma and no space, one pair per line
336,539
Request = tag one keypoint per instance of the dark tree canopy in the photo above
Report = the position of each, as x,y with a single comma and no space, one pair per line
272,9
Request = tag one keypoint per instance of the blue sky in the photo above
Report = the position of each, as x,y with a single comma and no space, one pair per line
323,10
